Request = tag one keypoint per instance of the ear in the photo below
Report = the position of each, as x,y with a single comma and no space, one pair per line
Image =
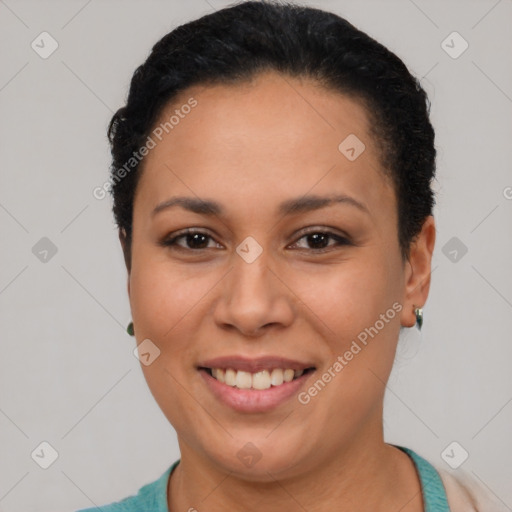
126,253
417,272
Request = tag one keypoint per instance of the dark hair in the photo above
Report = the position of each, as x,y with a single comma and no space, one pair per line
233,44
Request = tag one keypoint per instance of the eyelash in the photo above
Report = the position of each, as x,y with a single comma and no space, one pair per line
341,240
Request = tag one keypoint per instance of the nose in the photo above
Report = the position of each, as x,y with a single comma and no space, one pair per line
254,299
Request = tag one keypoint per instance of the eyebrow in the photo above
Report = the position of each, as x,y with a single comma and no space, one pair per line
288,207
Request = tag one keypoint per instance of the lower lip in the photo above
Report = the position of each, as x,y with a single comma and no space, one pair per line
254,400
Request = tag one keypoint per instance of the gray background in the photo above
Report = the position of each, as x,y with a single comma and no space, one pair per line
68,375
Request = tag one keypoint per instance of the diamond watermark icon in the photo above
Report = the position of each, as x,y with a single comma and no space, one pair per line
44,250
44,45
44,455
146,352
454,45
249,455
454,249
351,147
249,250
454,455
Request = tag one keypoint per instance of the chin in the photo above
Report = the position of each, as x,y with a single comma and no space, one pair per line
260,457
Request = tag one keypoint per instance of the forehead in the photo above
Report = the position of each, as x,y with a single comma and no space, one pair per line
272,134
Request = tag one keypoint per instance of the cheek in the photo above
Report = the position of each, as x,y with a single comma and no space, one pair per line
360,305
349,297
165,303
163,300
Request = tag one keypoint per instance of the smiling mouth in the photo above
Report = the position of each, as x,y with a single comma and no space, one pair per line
260,380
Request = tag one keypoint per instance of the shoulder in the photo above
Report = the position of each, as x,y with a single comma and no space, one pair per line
151,497
465,493
457,489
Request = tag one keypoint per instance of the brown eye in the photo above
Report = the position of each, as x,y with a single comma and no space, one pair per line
318,241
193,240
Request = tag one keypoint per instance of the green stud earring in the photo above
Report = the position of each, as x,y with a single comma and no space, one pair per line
130,330
419,317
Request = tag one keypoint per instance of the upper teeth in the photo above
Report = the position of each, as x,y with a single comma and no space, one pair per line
259,380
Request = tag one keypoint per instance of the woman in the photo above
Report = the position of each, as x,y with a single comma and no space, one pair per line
271,179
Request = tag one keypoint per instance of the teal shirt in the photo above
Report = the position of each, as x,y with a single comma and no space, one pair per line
153,496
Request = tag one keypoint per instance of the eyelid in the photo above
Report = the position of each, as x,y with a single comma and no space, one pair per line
170,240
340,237
322,229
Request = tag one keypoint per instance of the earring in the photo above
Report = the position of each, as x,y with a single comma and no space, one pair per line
130,330
419,317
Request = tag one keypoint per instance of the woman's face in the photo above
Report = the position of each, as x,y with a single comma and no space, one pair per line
263,287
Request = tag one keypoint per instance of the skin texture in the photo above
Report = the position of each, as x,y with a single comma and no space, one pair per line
250,147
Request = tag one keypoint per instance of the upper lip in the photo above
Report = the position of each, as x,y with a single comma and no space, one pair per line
253,365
